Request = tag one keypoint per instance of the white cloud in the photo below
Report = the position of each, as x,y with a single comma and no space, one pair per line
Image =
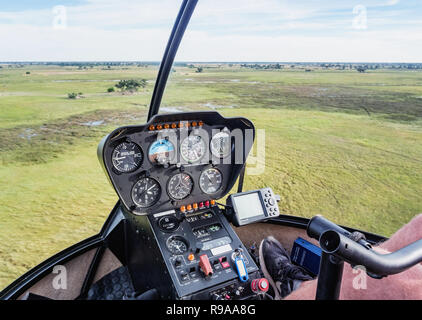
355,47
236,30
392,2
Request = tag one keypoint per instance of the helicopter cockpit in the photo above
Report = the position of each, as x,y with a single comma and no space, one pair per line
181,231
169,173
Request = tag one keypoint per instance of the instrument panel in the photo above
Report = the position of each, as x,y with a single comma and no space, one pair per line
185,242
176,159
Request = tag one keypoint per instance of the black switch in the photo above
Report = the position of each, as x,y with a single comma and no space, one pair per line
199,246
178,262
184,276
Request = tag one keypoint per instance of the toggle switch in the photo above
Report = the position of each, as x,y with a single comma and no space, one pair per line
224,263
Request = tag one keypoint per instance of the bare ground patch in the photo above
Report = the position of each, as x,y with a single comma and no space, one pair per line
38,144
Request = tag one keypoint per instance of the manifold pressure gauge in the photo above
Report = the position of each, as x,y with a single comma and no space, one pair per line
221,144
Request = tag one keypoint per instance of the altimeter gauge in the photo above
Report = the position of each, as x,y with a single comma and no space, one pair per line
193,148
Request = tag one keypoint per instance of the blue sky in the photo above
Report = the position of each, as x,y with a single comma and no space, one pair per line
221,30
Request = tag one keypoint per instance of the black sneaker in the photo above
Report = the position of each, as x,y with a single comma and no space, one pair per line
283,276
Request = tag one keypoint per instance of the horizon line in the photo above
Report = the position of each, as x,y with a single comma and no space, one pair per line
205,62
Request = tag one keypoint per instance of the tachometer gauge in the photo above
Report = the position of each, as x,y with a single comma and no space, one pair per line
146,192
180,186
210,181
193,148
161,151
221,144
127,157
177,245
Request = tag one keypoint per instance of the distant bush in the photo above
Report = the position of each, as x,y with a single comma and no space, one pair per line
74,95
28,72
199,69
131,85
111,89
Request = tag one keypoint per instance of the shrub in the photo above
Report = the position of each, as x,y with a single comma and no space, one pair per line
131,85
74,95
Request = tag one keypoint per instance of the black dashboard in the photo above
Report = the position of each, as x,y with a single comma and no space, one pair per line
168,174
183,160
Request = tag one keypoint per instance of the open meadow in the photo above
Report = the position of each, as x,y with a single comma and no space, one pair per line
339,143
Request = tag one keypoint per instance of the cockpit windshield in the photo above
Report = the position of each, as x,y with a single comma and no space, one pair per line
333,89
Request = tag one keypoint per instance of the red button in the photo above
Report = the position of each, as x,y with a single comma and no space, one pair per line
263,285
260,285
225,265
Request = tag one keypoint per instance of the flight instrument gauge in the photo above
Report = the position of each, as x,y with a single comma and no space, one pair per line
161,151
127,157
210,181
221,144
193,148
146,192
180,186
177,245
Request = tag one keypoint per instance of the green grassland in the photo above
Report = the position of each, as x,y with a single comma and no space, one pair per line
338,143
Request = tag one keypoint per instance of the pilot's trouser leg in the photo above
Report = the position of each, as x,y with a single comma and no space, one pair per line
357,285
404,236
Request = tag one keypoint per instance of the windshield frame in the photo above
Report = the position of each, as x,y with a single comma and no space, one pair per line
182,20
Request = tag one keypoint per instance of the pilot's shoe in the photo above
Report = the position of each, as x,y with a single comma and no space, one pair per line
283,276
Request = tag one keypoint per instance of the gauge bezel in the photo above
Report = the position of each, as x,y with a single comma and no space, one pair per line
203,154
155,200
117,170
180,238
170,159
217,155
168,184
200,176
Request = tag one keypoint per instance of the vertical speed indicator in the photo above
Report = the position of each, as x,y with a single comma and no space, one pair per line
211,181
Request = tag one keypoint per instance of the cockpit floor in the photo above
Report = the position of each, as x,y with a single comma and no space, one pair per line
114,286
